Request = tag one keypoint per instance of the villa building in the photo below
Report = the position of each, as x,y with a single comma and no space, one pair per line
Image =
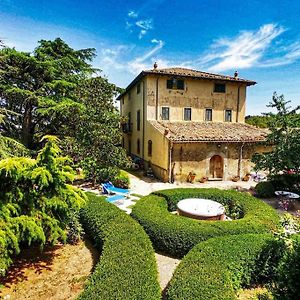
182,122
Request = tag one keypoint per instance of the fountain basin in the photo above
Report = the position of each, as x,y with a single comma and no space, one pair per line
201,209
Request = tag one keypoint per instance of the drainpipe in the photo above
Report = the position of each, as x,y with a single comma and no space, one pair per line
170,161
143,107
240,160
156,100
238,105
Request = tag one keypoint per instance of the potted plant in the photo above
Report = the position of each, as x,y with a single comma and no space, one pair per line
203,179
235,178
191,177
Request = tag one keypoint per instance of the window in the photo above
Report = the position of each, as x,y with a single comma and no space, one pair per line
208,114
165,113
187,114
149,148
220,88
129,147
175,84
138,146
129,95
138,120
138,88
123,142
228,115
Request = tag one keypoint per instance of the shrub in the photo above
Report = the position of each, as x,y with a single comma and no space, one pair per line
176,235
74,228
127,267
287,285
219,267
265,189
35,200
286,182
121,180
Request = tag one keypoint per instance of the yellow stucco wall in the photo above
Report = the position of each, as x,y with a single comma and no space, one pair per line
195,157
131,103
199,95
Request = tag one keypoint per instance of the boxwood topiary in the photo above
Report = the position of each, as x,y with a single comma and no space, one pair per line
127,267
219,267
177,235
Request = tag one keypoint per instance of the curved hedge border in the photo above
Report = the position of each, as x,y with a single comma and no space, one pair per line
217,268
127,267
177,235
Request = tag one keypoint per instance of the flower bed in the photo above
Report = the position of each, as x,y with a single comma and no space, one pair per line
127,268
177,235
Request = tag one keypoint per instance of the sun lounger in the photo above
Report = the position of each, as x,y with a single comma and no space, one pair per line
115,198
109,188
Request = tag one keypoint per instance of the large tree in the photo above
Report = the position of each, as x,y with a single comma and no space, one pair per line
39,88
95,142
284,138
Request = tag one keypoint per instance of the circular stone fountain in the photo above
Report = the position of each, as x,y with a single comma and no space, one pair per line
201,209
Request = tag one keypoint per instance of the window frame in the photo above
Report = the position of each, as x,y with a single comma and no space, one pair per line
172,84
138,88
162,115
184,110
220,91
150,148
205,114
225,115
138,120
138,146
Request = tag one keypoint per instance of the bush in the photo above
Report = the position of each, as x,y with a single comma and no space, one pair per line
74,228
36,200
287,284
265,189
176,235
121,180
219,267
286,182
127,267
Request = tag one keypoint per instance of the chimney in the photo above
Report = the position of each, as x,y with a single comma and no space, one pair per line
155,66
236,74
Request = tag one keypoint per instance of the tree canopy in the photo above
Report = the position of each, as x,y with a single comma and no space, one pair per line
284,137
39,88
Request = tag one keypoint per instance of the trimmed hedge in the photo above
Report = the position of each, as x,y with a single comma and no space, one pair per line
177,235
127,267
219,267
287,285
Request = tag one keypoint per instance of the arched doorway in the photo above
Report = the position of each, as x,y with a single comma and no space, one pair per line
216,167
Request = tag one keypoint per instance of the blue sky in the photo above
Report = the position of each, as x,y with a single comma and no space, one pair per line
260,39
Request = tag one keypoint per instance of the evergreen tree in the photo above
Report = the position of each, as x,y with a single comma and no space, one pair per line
36,200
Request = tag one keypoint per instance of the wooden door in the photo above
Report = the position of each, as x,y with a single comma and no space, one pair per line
216,166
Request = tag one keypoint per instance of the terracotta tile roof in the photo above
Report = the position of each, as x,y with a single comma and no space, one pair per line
184,72
210,131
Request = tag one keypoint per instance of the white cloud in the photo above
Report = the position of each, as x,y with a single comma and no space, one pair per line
141,25
132,14
144,61
244,51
